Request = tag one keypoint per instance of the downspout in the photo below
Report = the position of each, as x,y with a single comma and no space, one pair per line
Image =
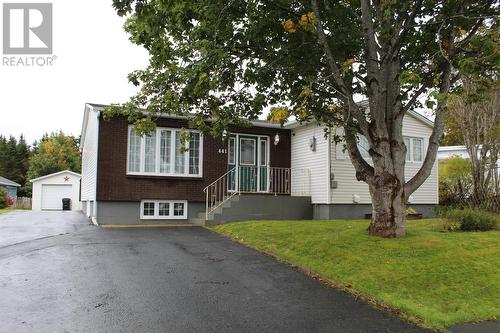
329,167
94,208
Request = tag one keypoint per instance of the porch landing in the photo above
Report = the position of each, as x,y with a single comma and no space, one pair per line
244,207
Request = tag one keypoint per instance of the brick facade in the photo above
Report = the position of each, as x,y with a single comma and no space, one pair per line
113,183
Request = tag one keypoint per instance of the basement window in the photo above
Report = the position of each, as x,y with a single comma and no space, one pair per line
163,209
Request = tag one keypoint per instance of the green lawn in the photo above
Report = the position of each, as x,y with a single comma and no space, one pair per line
5,210
435,278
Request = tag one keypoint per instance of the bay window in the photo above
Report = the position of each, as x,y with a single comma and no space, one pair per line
163,154
134,151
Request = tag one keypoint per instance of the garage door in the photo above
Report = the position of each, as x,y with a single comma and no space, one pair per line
52,196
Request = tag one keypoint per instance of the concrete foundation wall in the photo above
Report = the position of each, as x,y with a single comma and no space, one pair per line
115,212
358,211
265,207
84,207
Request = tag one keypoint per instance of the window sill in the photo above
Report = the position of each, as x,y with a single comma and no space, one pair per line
150,176
163,218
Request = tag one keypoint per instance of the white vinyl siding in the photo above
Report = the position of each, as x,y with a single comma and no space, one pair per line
316,162
162,153
417,134
163,210
89,156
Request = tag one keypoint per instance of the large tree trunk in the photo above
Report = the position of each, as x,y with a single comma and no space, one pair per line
388,207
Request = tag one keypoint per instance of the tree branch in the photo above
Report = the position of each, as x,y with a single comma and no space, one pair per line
437,132
345,92
371,44
364,171
395,47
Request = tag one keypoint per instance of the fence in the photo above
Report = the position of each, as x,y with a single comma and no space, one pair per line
22,203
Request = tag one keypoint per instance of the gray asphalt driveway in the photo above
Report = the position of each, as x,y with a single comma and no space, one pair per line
60,274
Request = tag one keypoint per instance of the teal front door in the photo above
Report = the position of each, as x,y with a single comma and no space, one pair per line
248,164
248,169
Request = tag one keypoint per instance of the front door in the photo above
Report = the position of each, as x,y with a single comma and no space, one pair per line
248,163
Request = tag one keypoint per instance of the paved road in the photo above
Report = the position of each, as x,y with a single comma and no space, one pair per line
60,274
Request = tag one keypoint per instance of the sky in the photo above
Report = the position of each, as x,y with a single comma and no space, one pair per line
94,57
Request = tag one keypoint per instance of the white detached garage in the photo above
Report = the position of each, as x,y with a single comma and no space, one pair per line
48,191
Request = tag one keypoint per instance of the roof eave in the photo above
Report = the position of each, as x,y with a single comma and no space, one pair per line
256,123
55,174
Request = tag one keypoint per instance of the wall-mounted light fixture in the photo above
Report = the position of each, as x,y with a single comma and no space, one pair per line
276,139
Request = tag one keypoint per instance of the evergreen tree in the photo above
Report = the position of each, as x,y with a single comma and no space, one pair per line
23,155
3,155
10,170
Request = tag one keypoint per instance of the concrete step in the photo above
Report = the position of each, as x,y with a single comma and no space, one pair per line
226,205
262,207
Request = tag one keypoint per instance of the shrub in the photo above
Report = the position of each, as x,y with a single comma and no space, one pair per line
469,220
455,181
3,198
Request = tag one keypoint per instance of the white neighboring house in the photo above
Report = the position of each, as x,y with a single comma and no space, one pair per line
49,190
445,152
335,192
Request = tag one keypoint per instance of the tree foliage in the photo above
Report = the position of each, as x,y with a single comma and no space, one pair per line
476,110
3,198
14,157
54,153
455,180
228,60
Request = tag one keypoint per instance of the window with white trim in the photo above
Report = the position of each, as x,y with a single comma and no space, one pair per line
162,153
414,149
163,209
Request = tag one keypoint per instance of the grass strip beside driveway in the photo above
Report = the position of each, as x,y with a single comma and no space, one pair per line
6,210
437,278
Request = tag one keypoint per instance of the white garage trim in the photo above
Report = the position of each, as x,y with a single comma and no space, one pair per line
57,174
